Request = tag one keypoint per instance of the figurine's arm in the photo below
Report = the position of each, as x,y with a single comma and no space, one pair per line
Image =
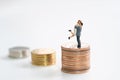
72,33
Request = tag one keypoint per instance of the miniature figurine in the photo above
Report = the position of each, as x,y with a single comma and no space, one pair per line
77,32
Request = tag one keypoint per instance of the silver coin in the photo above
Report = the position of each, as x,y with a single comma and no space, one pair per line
19,52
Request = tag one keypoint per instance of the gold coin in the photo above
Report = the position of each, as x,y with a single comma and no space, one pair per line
43,57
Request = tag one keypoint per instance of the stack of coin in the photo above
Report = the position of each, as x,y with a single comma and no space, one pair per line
75,60
43,57
19,52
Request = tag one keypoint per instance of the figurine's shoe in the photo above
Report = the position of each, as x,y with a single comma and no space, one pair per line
78,46
68,37
69,30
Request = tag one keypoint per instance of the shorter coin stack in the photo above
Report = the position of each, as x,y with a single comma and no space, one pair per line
43,57
19,52
75,60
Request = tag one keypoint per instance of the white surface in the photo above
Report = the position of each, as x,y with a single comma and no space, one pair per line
45,23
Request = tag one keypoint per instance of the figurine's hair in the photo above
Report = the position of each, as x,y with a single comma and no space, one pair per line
80,22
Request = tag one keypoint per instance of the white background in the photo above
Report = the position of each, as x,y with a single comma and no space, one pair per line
45,23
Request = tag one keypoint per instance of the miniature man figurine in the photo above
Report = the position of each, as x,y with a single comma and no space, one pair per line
77,31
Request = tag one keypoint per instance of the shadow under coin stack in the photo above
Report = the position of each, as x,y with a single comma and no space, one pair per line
75,60
43,57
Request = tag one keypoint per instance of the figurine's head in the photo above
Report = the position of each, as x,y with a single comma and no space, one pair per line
80,22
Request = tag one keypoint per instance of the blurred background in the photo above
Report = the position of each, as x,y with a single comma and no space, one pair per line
45,23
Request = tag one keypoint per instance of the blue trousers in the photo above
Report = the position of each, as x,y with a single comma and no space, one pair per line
79,42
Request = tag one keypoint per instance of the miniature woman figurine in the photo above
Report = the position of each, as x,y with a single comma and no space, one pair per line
77,31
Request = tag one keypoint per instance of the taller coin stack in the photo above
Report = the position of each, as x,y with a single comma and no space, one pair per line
43,57
75,60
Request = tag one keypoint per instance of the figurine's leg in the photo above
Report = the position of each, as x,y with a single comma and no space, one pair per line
71,35
79,42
